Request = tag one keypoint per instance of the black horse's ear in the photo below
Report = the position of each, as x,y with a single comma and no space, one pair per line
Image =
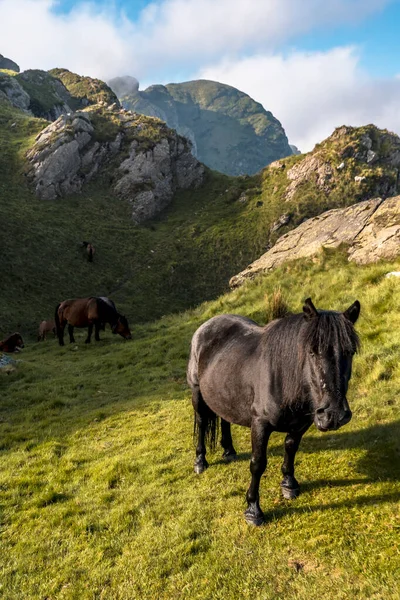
353,312
309,309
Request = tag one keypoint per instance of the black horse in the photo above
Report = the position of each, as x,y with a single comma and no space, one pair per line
281,377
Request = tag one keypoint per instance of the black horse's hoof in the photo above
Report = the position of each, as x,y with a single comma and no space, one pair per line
254,516
290,487
290,493
200,466
229,457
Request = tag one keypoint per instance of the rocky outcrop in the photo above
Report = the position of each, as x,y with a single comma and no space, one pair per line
7,63
11,91
229,131
145,169
148,179
124,86
369,229
48,97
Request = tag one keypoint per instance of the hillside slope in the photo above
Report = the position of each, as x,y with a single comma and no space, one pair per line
230,132
103,161
98,494
187,253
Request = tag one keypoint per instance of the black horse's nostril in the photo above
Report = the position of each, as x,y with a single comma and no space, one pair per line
322,410
345,416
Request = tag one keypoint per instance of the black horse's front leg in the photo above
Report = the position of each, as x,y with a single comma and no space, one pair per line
89,333
289,484
260,432
71,334
229,453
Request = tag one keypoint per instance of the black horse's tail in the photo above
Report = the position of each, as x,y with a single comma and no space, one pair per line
212,428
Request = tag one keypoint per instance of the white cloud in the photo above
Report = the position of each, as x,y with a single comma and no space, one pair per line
312,93
169,35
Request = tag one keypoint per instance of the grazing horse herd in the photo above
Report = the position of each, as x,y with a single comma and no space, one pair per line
283,377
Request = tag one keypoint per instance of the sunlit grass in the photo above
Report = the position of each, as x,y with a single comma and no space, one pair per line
97,494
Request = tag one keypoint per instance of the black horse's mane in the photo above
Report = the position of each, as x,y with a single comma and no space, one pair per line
290,339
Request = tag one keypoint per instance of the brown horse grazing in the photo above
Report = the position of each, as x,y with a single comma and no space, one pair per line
13,343
89,249
46,327
86,312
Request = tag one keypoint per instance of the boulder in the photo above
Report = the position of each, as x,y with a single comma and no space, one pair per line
369,229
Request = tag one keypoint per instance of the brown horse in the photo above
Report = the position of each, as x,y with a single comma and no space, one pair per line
46,327
86,312
89,249
13,343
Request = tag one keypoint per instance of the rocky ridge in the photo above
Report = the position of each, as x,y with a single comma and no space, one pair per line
370,230
146,161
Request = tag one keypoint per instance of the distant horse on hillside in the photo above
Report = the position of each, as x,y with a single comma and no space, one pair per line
13,343
281,377
46,327
89,312
89,249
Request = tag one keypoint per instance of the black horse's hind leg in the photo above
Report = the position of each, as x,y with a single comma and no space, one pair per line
229,453
71,334
96,331
89,333
201,410
289,484
260,432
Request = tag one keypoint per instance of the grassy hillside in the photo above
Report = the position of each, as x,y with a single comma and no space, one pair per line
97,494
184,257
84,90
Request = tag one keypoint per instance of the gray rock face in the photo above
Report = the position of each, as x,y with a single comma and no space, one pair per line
67,154
7,63
371,229
123,86
13,92
57,156
159,172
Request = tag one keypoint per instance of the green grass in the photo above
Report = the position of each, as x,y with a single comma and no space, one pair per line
97,494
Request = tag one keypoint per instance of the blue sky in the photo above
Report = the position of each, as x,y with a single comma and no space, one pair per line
377,36
316,64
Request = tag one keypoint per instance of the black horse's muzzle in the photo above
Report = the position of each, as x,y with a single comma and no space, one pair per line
328,419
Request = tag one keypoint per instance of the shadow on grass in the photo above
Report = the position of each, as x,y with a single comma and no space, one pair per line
381,461
360,501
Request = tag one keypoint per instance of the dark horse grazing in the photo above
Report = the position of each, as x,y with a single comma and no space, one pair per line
281,377
13,343
89,249
86,312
